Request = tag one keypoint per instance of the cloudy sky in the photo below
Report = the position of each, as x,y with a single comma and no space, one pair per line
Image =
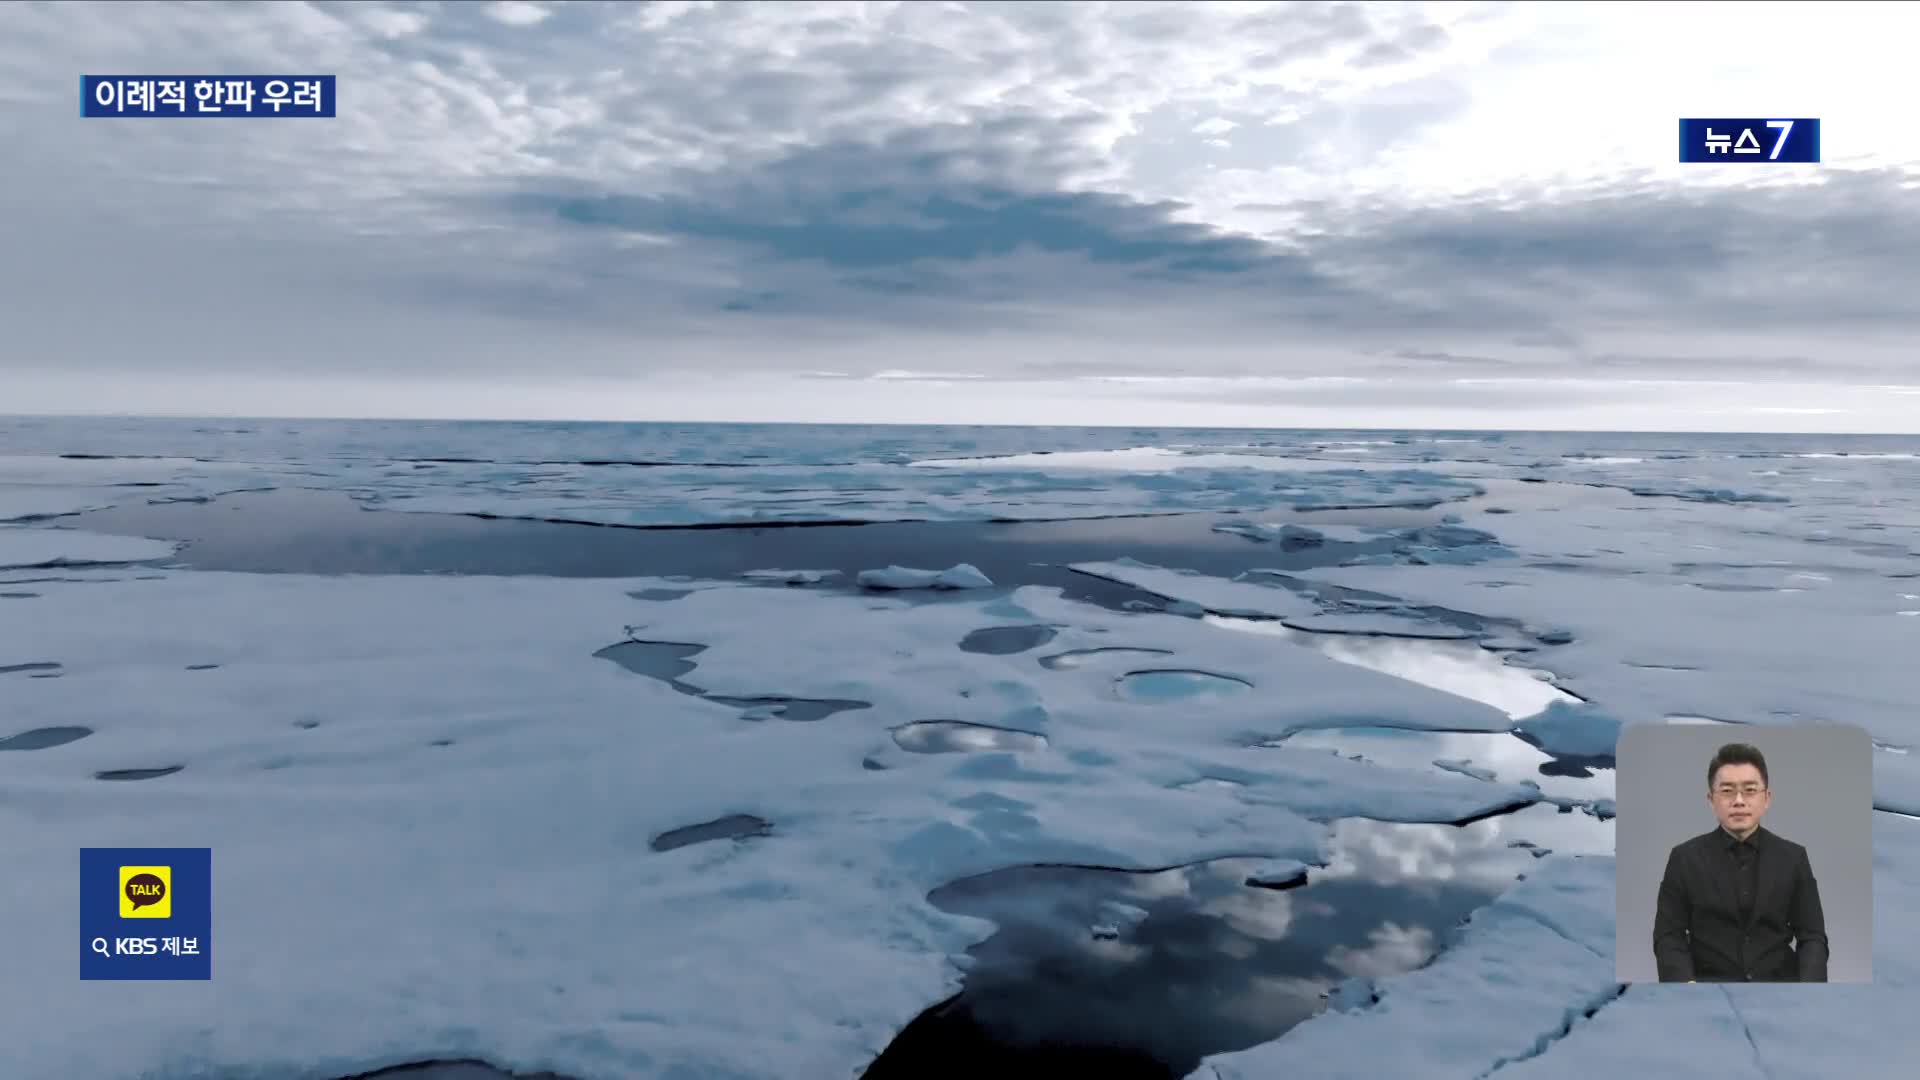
1268,214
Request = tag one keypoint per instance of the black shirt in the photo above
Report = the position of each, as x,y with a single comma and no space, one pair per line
1745,855
1739,911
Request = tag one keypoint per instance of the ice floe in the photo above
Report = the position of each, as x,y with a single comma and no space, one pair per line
1751,657
1377,623
1288,534
23,548
962,576
305,761
1247,596
791,577
1575,729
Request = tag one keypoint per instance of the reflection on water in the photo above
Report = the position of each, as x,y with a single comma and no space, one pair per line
663,660
1158,687
668,660
956,736
45,738
1006,640
327,532
1461,668
1080,658
1205,964
731,827
137,774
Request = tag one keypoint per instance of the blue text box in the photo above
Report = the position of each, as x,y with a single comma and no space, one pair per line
146,913
206,95
1736,141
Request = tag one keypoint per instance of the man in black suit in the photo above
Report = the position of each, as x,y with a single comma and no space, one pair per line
1739,903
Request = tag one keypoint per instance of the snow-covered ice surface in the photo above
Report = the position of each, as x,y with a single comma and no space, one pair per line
561,770
1257,596
435,811
30,549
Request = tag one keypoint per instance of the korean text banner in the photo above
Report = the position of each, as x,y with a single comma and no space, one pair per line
206,95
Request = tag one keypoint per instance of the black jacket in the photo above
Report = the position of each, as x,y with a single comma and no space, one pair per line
1698,933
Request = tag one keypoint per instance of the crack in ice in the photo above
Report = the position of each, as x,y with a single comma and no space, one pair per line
1546,1042
1758,1062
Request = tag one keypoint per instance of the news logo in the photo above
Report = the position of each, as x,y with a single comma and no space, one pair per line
146,913
206,95
1719,141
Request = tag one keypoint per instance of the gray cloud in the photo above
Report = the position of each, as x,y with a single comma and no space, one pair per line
872,207
1409,394
637,190
1812,255
1437,356
1556,278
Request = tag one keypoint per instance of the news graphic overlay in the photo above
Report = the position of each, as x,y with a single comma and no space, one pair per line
1720,141
146,913
1743,853
206,95
146,892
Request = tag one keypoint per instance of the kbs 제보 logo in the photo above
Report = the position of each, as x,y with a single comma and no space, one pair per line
146,913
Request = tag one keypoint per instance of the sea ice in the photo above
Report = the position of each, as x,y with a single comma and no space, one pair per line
963,576
26,503
1526,964
47,486
31,548
1244,596
1465,767
1288,534
1456,667
1377,623
310,759
1150,460
313,756
1715,495
1643,649
1575,729
1051,487
790,577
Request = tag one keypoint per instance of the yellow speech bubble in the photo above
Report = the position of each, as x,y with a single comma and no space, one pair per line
146,892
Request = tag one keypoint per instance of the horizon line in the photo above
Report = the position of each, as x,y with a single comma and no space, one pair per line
920,424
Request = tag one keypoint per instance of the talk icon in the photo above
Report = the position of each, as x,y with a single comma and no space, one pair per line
146,892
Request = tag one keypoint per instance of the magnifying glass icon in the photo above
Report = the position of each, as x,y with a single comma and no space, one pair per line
100,946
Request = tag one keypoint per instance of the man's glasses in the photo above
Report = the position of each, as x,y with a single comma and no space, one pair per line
1728,791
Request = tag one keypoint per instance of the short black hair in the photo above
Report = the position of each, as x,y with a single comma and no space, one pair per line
1738,753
